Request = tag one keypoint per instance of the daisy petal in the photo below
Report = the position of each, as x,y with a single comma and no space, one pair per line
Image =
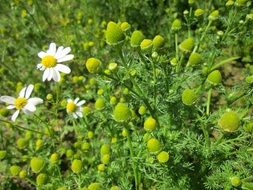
29,90
50,76
59,52
79,114
27,112
15,115
40,67
65,58
10,107
22,92
7,99
35,101
45,75
81,103
56,75
75,115
42,54
63,68
63,52
30,107
52,49
76,100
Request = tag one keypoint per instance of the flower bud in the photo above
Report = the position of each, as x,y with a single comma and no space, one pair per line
95,186
2,154
37,164
235,181
187,45
125,133
114,35
153,145
163,157
189,97
54,158
229,3
136,38
22,174
76,166
173,61
86,110
105,149
176,25
214,15
101,167
229,121
112,66
142,110
41,179
121,112
90,134
113,100
125,26
150,124
21,143
146,45
214,77
195,59
105,159
93,65
198,12
115,188
158,41
100,104
14,170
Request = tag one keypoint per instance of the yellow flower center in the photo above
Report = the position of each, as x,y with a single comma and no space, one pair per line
48,61
71,107
20,103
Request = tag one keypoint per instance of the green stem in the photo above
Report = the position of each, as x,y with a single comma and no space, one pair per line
209,95
133,162
176,46
154,79
224,62
203,35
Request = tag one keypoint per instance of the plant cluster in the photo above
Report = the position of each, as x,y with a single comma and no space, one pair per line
164,105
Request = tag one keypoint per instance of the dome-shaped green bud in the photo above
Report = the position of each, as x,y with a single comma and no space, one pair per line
191,1
214,77
198,12
113,100
163,157
115,188
101,167
49,97
22,174
229,121
214,15
105,149
21,143
54,158
85,146
176,25
121,112
235,181
136,38
158,41
112,66
100,104
39,144
76,166
125,133
150,124
229,3
189,97
142,110
90,134
69,153
187,45
105,159
173,61
153,145
114,35
41,179
194,59
125,26
240,2
95,186
4,112
86,110
14,170
146,45
93,65
37,164
2,154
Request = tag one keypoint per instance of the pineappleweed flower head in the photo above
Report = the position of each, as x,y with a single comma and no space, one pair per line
23,102
51,62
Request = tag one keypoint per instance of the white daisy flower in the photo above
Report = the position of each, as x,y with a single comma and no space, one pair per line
23,102
75,107
50,62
